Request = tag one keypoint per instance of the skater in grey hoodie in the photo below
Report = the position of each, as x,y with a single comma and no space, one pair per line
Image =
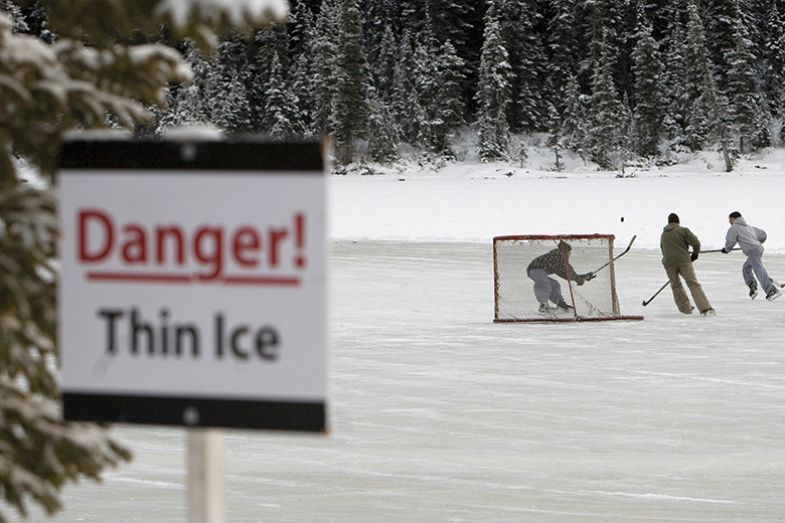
750,240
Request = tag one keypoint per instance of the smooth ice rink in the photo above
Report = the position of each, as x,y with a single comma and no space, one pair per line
438,414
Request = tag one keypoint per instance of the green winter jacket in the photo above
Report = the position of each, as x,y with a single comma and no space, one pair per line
674,242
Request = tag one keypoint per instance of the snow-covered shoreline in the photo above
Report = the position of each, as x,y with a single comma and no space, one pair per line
474,202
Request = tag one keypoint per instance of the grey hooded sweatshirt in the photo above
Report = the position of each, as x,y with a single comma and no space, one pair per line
749,238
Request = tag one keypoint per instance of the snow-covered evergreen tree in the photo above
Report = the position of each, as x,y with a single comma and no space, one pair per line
281,105
606,112
254,63
350,105
719,121
438,102
709,119
740,78
300,28
699,82
676,98
624,146
226,87
631,12
451,19
403,87
186,103
412,15
325,57
722,19
382,133
493,95
460,23
450,67
773,75
527,60
421,98
761,128
385,65
555,135
598,29
649,103
574,120
376,18
303,83
562,49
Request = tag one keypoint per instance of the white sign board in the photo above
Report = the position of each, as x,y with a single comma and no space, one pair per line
193,283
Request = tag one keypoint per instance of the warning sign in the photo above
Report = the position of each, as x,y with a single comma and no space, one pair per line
193,283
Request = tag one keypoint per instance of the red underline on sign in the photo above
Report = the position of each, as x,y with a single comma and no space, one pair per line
128,277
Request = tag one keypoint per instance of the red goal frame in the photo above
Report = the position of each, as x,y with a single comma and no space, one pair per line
575,317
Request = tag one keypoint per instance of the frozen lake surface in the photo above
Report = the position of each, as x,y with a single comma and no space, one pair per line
438,414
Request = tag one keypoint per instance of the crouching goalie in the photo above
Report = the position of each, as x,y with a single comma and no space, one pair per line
556,261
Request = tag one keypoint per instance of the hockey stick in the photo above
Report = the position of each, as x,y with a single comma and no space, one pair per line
595,271
646,302
718,250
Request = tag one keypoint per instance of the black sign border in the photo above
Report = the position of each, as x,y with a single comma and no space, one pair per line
240,154
195,412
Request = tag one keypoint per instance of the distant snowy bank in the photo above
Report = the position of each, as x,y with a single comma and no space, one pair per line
473,201
427,199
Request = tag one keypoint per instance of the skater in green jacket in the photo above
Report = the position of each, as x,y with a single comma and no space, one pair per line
677,260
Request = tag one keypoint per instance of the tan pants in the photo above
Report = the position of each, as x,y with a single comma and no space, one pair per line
686,271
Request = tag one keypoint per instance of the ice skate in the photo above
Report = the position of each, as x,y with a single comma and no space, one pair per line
546,308
773,294
563,305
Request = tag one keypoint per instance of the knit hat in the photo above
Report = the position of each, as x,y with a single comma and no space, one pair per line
673,218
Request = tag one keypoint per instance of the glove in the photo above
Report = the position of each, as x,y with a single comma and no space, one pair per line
583,278
694,256
724,250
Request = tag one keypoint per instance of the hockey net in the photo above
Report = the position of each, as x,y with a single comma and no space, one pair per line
588,292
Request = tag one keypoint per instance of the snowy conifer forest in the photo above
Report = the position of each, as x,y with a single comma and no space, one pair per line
612,81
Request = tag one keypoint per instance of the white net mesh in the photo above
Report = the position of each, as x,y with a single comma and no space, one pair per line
554,278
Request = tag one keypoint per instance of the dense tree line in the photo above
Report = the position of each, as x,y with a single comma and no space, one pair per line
608,78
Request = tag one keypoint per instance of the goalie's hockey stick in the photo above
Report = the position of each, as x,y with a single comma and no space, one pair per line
595,271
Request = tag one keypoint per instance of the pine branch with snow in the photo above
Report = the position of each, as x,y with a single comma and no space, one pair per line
90,77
